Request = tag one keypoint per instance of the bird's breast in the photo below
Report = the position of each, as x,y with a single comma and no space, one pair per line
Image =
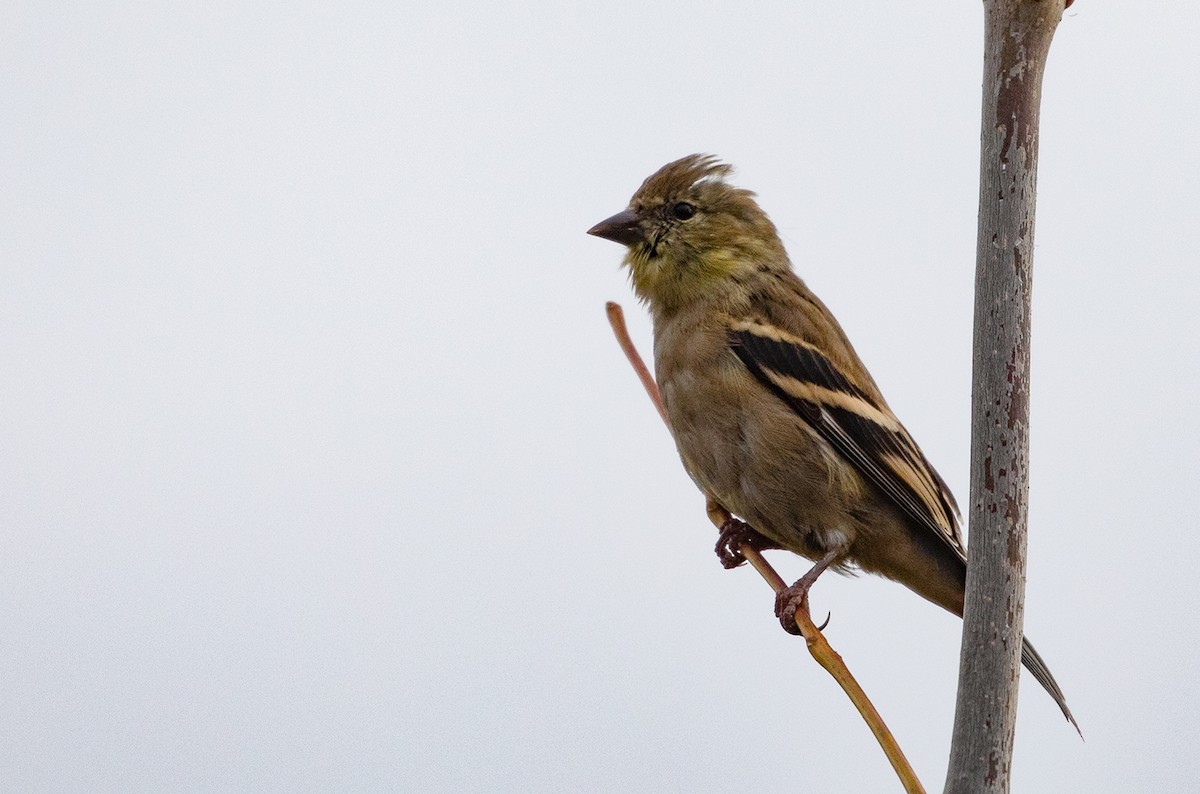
746,448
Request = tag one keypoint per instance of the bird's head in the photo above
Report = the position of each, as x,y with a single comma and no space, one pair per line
692,235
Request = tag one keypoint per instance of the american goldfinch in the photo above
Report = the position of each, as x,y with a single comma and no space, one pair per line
773,413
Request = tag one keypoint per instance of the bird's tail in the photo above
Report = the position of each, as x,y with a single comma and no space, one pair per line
1035,664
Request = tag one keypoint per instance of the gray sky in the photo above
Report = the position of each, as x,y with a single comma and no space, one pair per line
321,470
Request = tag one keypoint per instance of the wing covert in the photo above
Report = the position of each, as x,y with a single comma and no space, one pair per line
865,432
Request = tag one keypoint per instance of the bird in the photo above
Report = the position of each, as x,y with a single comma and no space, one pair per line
773,413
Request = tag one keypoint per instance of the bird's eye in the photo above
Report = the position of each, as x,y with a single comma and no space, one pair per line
683,210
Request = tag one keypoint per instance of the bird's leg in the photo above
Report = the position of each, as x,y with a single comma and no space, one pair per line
735,533
789,599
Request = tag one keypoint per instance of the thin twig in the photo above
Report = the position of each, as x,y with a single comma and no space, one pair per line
820,649
616,318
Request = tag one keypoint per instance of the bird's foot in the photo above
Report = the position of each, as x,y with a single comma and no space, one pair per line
793,598
734,535
788,601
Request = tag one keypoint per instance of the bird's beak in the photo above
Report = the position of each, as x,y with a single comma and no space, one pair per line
621,228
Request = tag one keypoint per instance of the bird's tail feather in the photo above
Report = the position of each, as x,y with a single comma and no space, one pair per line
1035,664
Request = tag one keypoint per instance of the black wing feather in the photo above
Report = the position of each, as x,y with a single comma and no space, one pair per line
873,449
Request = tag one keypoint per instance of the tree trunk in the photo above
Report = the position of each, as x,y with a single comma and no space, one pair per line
1017,40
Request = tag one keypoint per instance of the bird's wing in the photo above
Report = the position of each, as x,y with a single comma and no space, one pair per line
864,431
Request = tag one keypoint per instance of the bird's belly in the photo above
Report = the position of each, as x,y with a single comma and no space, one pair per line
760,460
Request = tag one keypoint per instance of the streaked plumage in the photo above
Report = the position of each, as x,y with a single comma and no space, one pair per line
772,411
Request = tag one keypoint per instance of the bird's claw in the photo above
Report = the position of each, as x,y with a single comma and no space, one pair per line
789,601
735,534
